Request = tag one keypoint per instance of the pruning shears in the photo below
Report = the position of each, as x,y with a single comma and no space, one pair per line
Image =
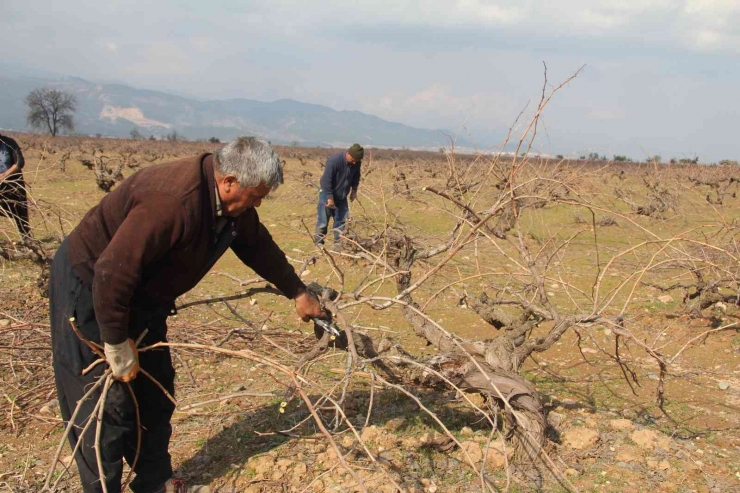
329,327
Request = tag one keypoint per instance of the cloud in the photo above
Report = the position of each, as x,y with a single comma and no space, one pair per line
491,13
203,44
452,111
606,114
712,24
660,22
163,57
659,73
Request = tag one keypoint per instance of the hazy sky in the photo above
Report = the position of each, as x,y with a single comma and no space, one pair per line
661,76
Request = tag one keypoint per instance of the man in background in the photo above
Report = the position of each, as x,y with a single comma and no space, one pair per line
340,180
13,200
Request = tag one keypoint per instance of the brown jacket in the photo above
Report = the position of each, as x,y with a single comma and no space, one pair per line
154,237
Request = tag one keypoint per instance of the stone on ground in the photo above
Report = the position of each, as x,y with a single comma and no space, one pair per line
580,437
621,425
628,453
645,439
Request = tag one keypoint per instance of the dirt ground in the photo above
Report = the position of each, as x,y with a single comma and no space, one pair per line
607,431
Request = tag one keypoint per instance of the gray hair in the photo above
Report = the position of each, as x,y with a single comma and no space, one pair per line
252,161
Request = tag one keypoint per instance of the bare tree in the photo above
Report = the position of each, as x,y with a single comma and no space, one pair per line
51,109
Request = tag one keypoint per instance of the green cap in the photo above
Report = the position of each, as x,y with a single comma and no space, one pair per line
356,151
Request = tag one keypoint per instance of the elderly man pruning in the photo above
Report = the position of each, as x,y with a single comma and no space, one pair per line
340,179
121,269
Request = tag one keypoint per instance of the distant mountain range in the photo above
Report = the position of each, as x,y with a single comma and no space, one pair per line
115,109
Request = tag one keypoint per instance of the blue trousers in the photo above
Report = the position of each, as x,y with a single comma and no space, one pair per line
339,214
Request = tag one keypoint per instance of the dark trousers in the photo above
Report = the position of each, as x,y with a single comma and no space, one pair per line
14,203
69,297
338,214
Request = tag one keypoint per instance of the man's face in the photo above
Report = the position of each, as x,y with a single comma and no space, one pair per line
235,200
350,159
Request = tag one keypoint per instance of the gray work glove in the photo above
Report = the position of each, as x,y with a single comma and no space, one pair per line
123,360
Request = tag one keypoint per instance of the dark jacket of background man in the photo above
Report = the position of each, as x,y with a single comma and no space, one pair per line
339,178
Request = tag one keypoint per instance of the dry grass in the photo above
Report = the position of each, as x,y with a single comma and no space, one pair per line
577,376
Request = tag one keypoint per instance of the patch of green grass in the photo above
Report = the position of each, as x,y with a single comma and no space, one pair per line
659,306
736,342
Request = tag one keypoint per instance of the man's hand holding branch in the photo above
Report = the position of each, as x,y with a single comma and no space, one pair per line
123,360
308,307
